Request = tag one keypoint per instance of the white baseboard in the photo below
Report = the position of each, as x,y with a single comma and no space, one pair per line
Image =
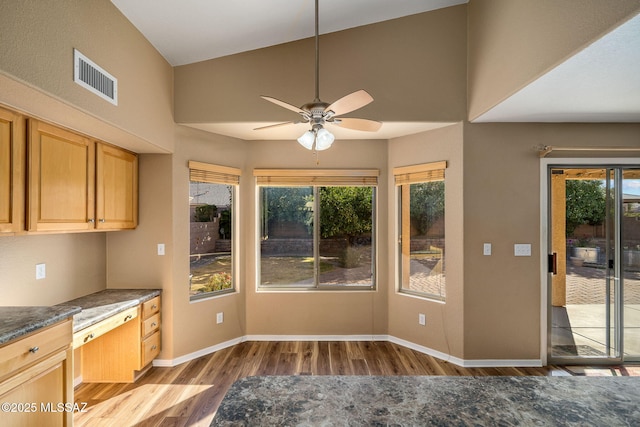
474,363
189,357
502,363
315,338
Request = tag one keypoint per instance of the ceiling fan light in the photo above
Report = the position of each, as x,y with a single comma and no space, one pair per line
306,140
324,139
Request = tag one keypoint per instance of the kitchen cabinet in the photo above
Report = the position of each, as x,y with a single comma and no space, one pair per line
61,179
12,142
150,334
78,184
116,188
121,347
36,378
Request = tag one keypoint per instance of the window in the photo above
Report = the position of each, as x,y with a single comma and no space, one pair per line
317,229
212,191
421,192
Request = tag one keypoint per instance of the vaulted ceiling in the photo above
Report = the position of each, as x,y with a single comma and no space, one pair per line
599,84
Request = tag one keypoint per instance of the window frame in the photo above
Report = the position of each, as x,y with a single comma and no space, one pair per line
222,175
404,176
316,178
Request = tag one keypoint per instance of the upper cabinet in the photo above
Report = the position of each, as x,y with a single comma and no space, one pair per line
11,171
77,184
61,179
116,188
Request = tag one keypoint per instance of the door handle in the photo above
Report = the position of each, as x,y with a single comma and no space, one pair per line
611,264
552,266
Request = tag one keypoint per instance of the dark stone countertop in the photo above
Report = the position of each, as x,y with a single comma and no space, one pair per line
16,322
431,401
104,304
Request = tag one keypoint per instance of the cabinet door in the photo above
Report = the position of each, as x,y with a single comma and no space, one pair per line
61,179
116,188
11,171
36,400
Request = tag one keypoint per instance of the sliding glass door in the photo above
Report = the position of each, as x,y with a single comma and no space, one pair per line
594,237
630,262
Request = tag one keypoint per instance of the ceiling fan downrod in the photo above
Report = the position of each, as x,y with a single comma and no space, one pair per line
318,113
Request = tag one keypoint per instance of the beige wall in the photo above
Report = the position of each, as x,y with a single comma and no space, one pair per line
414,67
75,266
512,43
444,330
194,323
36,71
502,207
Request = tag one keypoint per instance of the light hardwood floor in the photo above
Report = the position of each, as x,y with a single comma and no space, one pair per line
189,394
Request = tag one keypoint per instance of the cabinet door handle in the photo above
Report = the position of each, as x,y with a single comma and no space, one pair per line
153,347
88,337
34,349
101,220
129,317
91,220
154,324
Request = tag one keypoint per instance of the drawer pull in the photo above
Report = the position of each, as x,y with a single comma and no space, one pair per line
154,324
88,337
153,307
129,317
153,347
34,349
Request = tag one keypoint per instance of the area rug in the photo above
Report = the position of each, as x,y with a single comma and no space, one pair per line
430,401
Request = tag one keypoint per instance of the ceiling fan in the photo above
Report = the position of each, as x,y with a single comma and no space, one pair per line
319,113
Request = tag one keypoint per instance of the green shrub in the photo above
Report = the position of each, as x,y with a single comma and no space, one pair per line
217,282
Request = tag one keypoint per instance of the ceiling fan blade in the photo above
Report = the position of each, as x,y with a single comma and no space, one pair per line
283,104
351,102
276,125
358,124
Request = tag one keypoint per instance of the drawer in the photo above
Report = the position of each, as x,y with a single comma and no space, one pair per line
24,351
151,324
150,307
150,348
92,332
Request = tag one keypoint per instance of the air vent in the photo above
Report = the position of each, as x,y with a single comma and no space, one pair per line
93,78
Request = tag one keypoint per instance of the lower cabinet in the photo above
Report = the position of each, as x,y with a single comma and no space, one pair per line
150,331
120,348
36,379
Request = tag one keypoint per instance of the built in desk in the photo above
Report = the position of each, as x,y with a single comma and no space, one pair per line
116,335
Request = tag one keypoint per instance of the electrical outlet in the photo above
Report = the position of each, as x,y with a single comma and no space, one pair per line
422,319
161,249
41,271
486,249
219,318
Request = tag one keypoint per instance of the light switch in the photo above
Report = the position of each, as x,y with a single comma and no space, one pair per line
522,249
486,250
160,248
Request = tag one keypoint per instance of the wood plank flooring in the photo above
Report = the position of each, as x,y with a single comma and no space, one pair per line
189,394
